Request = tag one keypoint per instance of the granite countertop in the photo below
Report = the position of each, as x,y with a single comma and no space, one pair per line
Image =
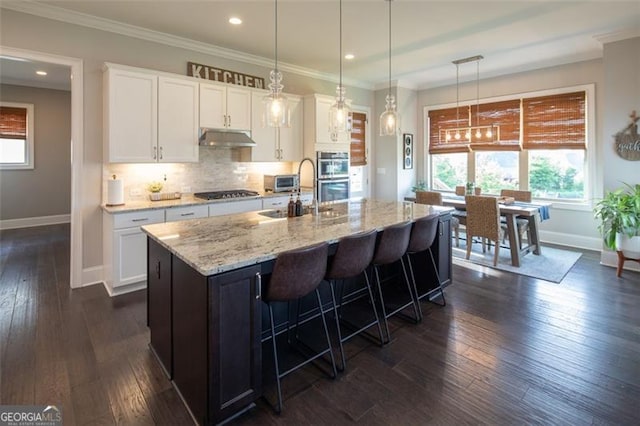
219,244
187,200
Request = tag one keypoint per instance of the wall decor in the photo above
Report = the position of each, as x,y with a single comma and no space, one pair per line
628,141
217,74
407,148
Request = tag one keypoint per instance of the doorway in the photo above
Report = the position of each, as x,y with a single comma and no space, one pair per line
76,76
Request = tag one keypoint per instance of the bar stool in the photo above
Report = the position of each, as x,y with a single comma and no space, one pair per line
391,248
423,235
352,258
297,273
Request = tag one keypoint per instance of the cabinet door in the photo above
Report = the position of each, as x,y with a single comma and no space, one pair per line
290,139
234,336
238,108
218,209
264,137
159,303
322,120
129,256
213,101
131,118
278,203
177,120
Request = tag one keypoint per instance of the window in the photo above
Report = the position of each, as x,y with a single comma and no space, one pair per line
543,145
16,136
358,149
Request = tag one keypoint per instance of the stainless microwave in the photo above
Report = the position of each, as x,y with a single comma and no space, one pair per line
281,183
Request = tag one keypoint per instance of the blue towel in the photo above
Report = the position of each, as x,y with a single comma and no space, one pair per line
544,213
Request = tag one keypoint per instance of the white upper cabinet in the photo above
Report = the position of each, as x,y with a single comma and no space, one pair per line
316,126
225,107
276,144
290,138
177,120
130,116
149,118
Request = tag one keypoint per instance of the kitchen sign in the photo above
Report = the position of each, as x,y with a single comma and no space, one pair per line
628,140
206,72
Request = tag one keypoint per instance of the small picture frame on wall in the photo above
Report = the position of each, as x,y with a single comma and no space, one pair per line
407,149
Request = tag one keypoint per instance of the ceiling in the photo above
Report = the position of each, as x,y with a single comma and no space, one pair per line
513,36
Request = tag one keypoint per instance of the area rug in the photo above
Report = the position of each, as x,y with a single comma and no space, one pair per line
552,265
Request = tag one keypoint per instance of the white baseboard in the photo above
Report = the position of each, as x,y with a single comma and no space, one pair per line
91,276
125,289
29,222
571,240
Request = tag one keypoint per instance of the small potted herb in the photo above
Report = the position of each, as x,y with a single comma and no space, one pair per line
154,188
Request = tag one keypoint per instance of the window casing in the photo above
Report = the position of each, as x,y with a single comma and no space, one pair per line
565,141
16,136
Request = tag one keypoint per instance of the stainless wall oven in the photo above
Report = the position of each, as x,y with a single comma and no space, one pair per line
333,176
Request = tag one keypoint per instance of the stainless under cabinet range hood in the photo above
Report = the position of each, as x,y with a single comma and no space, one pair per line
226,138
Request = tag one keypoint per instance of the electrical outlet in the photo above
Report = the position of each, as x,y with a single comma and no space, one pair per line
185,189
135,192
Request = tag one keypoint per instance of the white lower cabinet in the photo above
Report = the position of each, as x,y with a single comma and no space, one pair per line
125,249
242,206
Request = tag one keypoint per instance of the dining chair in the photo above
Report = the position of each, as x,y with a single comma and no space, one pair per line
483,221
461,190
434,198
521,223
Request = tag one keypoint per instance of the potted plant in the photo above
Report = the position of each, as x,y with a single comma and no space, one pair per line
155,188
619,213
419,186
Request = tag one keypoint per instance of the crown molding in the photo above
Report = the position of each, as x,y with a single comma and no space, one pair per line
94,22
622,34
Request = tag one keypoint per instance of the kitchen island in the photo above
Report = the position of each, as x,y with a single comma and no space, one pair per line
204,277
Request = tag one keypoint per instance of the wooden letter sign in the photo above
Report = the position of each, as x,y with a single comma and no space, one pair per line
628,140
216,74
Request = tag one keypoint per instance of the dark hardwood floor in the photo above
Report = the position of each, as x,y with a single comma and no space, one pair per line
507,349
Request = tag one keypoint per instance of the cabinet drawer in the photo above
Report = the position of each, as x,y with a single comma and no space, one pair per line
131,219
218,209
187,212
275,202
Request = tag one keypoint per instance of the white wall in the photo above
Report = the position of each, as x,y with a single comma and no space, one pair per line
621,61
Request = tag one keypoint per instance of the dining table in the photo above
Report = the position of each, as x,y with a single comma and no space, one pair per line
534,213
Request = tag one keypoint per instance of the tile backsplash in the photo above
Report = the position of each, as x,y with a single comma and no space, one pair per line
218,169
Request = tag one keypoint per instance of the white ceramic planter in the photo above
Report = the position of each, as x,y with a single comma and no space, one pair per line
630,246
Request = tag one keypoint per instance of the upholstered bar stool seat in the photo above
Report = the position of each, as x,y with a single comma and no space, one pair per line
352,258
296,274
423,236
391,248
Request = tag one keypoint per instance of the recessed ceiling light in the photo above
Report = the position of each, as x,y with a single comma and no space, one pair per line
235,21
349,56
41,72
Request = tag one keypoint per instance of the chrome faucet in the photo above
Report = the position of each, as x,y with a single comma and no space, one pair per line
314,202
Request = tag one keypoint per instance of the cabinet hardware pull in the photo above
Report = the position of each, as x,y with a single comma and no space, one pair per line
155,152
187,214
158,269
229,120
259,284
161,153
140,220
441,226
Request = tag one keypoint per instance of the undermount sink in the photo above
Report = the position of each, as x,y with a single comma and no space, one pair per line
324,212
273,214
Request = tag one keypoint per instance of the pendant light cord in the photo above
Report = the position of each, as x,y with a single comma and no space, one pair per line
478,92
276,37
457,95
389,47
340,44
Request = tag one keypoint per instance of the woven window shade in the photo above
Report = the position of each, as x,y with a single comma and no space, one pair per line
13,123
358,148
555,122
506,115
442,119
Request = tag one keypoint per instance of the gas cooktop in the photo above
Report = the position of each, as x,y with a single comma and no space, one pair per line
233,193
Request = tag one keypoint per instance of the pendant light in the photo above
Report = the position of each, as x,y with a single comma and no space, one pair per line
339,113
276,107
389,119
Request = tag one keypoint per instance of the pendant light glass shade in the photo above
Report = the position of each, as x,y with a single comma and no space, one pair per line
276,112
389,119
340,113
